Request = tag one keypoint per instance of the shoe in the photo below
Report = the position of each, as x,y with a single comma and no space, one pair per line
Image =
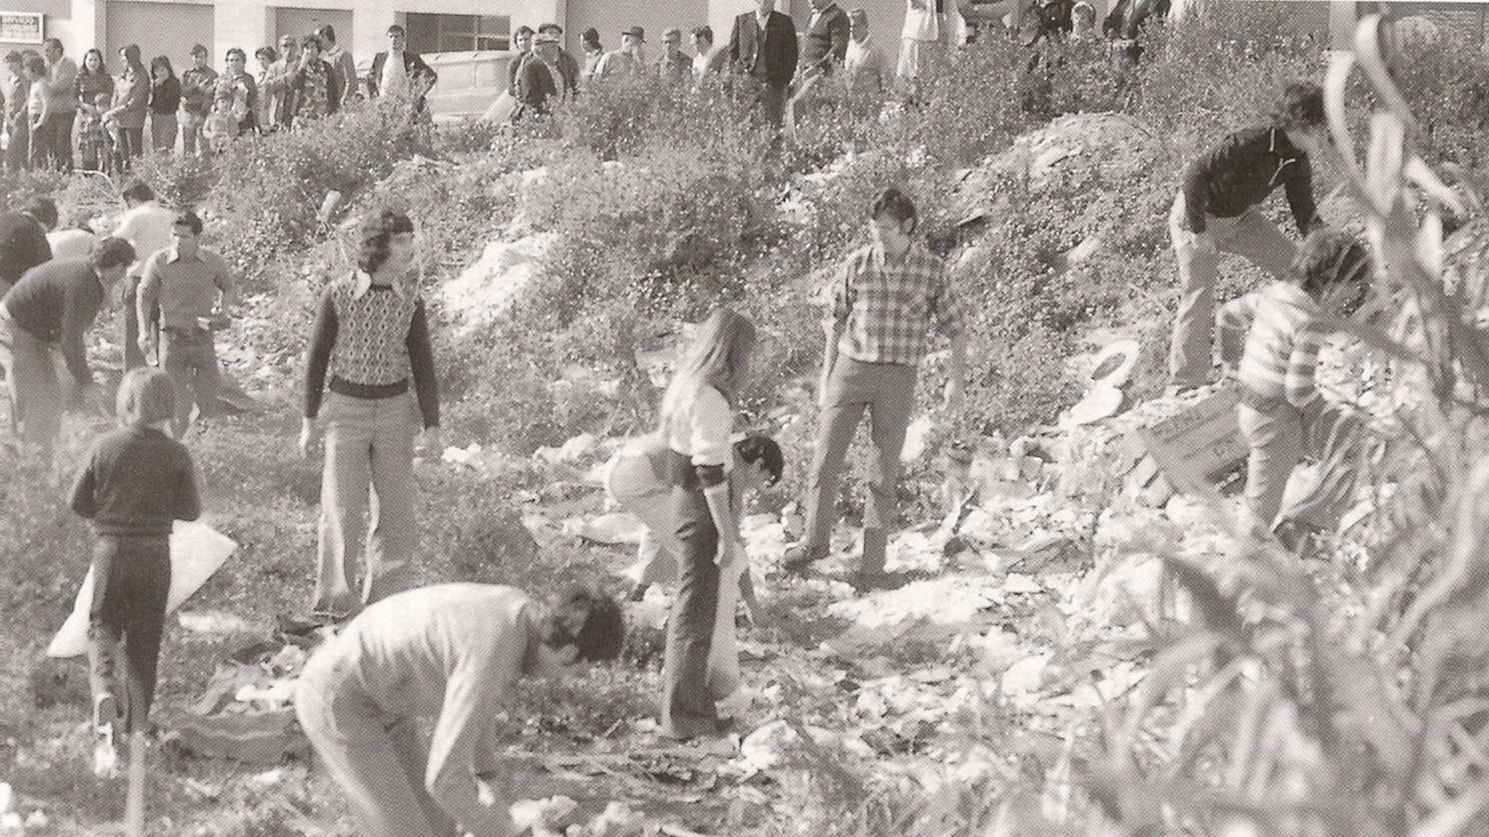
800,557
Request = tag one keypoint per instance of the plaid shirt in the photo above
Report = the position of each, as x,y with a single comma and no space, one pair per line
885,309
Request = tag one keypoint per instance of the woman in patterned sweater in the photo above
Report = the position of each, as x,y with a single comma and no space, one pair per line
372,336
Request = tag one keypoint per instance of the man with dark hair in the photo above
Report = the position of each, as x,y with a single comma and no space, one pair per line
48,312
452,652
146,225
675,66
1216,212
23,239
342,62
194,290
763,49
278,84
710,59
62,105
635,480
522,48
538,81
405,75
197,87
627,62
17,128
568,65
1282,414
235,72
885,301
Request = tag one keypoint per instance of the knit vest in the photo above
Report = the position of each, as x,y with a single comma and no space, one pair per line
371,335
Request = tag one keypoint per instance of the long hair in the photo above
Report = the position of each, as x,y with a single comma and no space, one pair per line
132,59
718,357
162,61
376,234
103,66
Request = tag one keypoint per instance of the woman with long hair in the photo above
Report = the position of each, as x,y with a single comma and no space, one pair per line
165,99
131,104
697,420
370,348
92,81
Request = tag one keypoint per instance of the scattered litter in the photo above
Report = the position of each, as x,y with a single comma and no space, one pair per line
212,622
544,817
614,529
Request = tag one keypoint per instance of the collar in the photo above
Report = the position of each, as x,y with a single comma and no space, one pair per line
881,258
362,285
1278,144
175,255
762,20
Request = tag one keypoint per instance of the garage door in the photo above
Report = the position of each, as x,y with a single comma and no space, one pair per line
301,22
168,29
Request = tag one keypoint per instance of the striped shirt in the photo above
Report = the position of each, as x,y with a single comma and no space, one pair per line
1281,351
886,308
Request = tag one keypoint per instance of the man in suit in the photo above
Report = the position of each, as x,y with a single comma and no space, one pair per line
538,79
826,46
406,75
763,48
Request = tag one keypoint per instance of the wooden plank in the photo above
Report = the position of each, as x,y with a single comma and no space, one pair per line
1200,445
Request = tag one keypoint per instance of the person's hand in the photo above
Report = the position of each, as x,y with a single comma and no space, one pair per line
954,396
822,392
307,437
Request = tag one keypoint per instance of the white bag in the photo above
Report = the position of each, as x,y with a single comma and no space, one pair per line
197,551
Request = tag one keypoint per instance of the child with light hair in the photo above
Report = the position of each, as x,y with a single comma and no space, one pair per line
136,482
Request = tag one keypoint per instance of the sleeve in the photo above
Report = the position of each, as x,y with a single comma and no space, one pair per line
793,49
335,88
138,97
843,295
40,249
148,293
709,426
225,280
1196,182
734,44
471,695
1299,190
318,356
421,362
946,305
1232,323
188,494
1302,366
423,69
77,315
375,74
83,500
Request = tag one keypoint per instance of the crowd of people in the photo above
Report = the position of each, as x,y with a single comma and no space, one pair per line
370,389
60,115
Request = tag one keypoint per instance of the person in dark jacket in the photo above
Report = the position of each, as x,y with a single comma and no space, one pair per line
1216,212
763,48
48,313
135,484
23,239
538,81
165,100
826,45
568,65
407,74
1128,19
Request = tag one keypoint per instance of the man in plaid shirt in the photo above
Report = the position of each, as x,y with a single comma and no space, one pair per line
887,298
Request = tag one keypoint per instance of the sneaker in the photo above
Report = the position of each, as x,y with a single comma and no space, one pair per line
800,557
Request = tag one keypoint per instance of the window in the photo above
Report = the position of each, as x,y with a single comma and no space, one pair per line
458,33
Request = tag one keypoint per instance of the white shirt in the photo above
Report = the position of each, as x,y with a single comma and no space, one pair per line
395,78
863,63
699,425
71,244
148,228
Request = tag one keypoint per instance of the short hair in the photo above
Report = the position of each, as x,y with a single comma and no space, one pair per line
111,252
327,32
189,220
12,57
238,52
591,36
603,629
310,40
667,33
266,52
43,209
523,30
893,202
1301,106
36,65
52,42
551,27
762,449
146,396
377,231
859,14
395,29
703,33
1330,256
198,49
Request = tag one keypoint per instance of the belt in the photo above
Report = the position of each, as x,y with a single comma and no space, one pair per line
368,391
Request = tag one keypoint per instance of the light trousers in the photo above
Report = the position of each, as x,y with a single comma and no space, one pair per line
1280,437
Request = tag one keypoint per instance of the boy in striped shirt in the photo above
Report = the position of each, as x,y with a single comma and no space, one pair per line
1282,415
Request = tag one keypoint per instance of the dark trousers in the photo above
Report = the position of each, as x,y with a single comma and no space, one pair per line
56,137
133,357
131,146
687,704
131,580
189,356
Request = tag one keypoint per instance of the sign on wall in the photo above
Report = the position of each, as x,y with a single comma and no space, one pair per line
22,27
